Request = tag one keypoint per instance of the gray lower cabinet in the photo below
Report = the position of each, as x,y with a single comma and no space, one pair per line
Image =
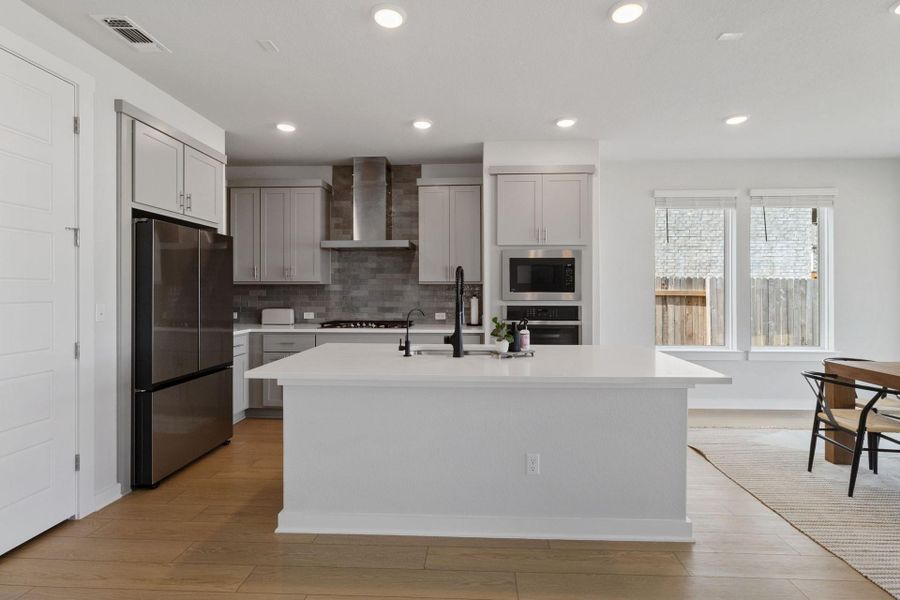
390,338
275,347
270,347
240,386
272,394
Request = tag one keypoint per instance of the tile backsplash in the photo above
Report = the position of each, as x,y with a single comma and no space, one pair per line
366,284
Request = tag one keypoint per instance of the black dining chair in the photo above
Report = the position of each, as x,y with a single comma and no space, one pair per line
866,423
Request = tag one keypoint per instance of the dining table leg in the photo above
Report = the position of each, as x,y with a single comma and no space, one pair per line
838,396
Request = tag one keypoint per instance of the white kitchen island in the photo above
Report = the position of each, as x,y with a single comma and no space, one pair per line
375,443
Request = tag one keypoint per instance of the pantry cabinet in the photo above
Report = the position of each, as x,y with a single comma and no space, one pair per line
174,178
278,233
449,232
543,209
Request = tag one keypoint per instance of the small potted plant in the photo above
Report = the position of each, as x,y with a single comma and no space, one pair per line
501,334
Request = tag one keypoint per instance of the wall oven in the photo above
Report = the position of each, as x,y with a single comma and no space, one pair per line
541,275
549,325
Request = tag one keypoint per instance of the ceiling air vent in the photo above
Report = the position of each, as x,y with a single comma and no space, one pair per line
129,31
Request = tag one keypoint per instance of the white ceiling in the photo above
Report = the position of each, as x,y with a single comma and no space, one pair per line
819,77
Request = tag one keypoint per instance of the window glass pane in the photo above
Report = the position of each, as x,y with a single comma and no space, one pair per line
784,270
690,277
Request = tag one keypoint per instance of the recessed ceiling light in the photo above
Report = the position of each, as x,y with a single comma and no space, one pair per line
286,127
895,9
730,36
736,119
627,12
565,122
389,16
422,124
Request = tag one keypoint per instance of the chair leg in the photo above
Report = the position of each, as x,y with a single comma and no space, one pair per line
870,443
854,468
873,451
812,442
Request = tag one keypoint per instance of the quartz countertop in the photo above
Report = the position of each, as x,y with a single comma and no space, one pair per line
551,367
244,328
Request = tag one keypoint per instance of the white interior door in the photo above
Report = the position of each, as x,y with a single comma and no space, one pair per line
37,301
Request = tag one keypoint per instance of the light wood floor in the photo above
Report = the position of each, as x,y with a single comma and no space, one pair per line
207,534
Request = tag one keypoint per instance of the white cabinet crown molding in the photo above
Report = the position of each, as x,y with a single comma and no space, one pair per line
280,183
441,181
136,113
540,169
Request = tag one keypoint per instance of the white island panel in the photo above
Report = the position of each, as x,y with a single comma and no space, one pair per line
375,443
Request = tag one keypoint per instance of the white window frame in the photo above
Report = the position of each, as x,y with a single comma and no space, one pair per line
727,201
821,199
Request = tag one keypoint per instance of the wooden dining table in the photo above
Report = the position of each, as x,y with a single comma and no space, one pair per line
874,373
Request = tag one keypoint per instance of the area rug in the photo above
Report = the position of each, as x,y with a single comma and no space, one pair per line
864,530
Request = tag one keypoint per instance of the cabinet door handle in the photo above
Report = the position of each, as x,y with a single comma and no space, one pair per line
181,200
188,207
255,272
546,234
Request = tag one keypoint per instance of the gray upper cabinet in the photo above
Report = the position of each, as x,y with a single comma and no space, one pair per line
542,209
158,169
307,261
245,231
203,185
434,234
171,177
518,209
278,233
449,232
465,231
274,232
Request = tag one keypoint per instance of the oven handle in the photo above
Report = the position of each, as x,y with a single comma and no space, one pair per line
530,322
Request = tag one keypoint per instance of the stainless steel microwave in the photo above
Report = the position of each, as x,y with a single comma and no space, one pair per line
541,274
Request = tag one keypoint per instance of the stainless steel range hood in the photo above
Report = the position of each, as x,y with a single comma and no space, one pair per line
371,208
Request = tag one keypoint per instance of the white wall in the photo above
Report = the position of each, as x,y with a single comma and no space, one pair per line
112,81
866,251
535,153
279,172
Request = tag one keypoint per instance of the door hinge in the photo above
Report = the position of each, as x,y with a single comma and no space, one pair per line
76,124
77,350
77,462
76,235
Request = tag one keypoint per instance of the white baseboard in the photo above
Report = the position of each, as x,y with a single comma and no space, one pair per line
107,496
238,417
567,528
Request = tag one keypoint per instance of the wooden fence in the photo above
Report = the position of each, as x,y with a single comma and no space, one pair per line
690,311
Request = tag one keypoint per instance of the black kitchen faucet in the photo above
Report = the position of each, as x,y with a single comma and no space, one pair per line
457,338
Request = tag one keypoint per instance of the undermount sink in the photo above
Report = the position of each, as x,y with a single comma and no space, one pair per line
448,352
446,349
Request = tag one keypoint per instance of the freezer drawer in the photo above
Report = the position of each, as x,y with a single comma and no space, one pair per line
178,424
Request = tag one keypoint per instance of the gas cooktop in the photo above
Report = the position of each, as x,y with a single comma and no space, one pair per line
363,325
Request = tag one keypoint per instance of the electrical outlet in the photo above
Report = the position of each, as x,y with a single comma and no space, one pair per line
234,316
532,464
440,316
309,315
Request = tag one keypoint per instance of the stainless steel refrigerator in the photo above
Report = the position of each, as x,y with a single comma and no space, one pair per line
182,346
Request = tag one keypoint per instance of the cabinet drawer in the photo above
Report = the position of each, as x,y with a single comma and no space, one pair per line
240,345
288,342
